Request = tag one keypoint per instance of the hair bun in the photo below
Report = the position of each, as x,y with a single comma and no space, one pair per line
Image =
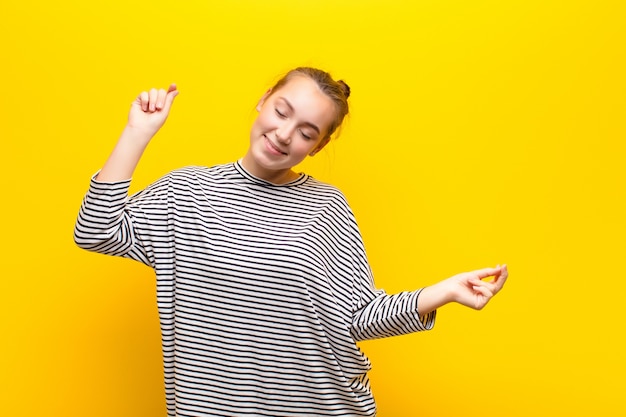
344,87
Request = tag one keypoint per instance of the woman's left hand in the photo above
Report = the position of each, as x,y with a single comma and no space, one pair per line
471,289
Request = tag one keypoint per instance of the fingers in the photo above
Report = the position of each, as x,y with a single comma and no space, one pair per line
156,100
474,290
500,279
486,272
477,283
500,274
484,290
172,92
144,99
152,94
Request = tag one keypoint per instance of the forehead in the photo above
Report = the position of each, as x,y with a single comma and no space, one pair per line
307,100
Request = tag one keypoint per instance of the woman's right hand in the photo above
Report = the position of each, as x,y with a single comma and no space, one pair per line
147,114
150,109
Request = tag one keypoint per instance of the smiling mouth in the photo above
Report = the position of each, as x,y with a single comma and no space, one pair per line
273,147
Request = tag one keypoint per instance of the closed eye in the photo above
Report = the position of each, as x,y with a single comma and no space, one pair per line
304,135
290,107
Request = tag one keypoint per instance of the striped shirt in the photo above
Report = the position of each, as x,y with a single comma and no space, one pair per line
263,290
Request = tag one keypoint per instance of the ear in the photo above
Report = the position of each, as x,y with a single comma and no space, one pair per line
320,146
265,96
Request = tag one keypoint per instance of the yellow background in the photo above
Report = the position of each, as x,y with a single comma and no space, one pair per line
482,132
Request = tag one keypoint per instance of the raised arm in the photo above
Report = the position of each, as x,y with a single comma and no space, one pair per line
107,220
470,289
147,114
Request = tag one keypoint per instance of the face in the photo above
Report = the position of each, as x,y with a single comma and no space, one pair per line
293,122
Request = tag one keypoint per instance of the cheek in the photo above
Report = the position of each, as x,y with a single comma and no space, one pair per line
268,116
262,121
305,147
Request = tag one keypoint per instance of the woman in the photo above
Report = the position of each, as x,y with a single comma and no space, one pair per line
263,285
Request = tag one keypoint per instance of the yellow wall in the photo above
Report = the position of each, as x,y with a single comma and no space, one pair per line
482,132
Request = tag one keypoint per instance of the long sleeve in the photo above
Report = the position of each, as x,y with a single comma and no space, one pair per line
111,223
375,313
390,315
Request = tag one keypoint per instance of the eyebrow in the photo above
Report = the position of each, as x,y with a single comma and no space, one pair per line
311,125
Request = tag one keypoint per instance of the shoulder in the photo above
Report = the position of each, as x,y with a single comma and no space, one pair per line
314,185
326,191
332,200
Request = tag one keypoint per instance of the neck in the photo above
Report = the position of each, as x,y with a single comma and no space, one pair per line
280,176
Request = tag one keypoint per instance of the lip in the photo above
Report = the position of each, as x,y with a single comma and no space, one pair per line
273,149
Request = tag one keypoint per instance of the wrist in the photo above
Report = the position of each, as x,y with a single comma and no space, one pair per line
137,135
435,296
446,291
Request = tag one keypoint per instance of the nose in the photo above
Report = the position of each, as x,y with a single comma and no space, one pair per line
284,132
